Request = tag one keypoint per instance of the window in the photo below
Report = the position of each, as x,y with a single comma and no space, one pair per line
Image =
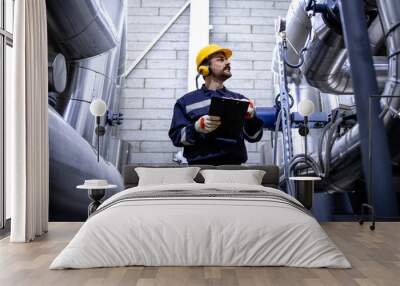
6,45
9,15
7,89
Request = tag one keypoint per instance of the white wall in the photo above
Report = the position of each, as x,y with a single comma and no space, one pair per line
247,27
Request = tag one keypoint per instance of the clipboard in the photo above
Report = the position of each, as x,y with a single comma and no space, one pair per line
232,112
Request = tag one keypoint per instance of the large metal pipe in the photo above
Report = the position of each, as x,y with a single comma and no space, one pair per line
390,21
91,78
298,27
85,28
390,15
72,160
92,35
96,76
326,66
365,85
376,35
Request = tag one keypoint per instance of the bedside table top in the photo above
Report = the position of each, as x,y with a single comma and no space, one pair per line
305,178
86,187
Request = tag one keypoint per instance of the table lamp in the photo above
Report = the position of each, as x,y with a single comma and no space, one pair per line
305,184
98,108
305,108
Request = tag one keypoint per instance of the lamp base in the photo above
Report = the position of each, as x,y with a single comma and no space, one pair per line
95,195
305,191
303,130
100,130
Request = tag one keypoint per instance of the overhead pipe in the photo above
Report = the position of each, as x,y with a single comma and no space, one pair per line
390,22
390,15
298,26
94,45
365,86
85,28
326,66
72,160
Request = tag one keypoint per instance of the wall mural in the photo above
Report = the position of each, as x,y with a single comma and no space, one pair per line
101,119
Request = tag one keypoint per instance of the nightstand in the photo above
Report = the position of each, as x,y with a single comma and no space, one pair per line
96,190
305,189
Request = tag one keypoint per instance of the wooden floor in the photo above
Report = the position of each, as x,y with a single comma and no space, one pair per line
375,257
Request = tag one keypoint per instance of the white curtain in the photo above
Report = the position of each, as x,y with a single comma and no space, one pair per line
27,163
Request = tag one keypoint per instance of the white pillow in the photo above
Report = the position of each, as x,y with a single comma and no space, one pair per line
166,176
248,177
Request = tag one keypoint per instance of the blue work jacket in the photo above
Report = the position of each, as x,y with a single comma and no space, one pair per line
206,148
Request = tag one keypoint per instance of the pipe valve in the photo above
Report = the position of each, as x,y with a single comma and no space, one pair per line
114,118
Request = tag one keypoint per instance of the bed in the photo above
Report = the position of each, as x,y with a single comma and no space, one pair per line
197,224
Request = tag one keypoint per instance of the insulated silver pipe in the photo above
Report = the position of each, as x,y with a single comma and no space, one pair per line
298,26
85,28
97,76
390,15
72,160
92,35
326,66
376,35
343,147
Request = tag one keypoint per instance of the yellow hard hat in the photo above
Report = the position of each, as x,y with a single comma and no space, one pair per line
208,51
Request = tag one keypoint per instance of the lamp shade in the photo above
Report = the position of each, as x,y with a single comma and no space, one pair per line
305,107
98,107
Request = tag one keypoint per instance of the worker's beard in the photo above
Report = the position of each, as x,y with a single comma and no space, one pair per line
221,75
225,74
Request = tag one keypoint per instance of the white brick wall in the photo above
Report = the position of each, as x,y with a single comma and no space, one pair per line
245,26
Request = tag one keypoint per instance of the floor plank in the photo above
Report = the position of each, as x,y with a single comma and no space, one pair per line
374,255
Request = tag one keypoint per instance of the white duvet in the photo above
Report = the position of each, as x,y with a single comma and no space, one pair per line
183,231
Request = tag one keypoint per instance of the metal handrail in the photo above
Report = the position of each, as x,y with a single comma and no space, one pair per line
156,39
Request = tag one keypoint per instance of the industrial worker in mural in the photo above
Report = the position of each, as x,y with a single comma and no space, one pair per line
194,128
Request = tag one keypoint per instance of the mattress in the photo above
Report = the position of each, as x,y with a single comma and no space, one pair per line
201,225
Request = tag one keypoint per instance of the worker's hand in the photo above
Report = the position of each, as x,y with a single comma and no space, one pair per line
207,124
251,110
